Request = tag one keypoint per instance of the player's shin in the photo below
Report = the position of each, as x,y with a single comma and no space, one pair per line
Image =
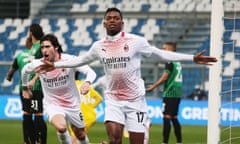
64,138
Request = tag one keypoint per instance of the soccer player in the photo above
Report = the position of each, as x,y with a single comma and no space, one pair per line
61,94
88,104
39,127
120,53
101,82
21,59
34,129
172,79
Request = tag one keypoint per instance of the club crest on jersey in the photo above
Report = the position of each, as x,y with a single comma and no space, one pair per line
126,48
103,49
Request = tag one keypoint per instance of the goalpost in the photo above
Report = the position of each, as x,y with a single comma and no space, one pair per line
214,99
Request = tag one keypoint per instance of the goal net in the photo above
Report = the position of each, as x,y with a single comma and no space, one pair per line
224,78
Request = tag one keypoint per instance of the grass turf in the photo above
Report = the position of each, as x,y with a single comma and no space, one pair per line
11,133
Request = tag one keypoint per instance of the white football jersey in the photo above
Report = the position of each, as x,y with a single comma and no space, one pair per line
121,59
59,86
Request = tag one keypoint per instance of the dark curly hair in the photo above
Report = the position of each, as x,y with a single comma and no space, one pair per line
113,9
53,39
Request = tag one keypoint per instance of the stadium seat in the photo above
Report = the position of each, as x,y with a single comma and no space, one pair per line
169,1
46,25
145,7
177,6
129,24
136,29
81,36
26,22
235,36
1,21
75,7
231,5
103,5
1,47
92,8
83,6
150,29
189,7
158,6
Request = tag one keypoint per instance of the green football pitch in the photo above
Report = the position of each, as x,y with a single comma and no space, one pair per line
11,133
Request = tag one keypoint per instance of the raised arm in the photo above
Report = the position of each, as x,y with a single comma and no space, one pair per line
168,56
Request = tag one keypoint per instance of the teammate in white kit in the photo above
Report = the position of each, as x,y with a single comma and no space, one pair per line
120,53
61,94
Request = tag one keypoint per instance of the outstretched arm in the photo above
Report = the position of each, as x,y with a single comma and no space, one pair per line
168,56
76,61
199,58
46,67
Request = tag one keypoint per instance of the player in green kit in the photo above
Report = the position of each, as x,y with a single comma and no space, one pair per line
40,128
172,79
34,129
19,62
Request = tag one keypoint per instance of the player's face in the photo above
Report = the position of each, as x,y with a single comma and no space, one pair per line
167,47
49,52
113,23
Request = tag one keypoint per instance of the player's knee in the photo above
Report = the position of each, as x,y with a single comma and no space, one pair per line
62,129
166,116
80,134
115,140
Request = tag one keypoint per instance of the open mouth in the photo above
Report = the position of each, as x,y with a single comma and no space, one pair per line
112,26
45,56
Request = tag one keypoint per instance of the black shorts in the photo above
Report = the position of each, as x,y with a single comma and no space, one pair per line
170,106
33,105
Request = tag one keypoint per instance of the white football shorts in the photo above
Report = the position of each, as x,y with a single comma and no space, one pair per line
73,116
131,114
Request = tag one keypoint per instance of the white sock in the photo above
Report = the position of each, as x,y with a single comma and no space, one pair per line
146,136
64,138
86,141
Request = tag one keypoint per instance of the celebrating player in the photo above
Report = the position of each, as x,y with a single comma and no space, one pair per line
120,53
61,94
